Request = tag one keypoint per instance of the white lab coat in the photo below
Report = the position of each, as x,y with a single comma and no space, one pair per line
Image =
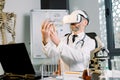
75,56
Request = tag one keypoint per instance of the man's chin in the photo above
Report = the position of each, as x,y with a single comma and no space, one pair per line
75,30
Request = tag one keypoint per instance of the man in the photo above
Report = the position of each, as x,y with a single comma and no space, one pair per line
74,52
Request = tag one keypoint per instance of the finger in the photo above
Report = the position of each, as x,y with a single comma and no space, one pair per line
43,23
52,33
46,24
49,26
54,28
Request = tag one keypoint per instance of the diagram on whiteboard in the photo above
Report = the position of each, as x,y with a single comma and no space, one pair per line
36,19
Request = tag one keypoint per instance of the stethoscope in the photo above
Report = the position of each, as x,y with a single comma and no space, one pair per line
77,41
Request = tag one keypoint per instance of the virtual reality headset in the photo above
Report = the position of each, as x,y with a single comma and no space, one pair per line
75,17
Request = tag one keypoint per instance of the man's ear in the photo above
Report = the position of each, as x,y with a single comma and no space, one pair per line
86,22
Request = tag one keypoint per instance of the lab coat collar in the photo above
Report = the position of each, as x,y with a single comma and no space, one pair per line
80,35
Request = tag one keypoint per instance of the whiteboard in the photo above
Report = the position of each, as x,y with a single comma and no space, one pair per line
36,19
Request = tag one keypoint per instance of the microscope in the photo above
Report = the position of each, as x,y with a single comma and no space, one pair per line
99,60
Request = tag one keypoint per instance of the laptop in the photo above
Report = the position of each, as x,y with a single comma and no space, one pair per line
15,59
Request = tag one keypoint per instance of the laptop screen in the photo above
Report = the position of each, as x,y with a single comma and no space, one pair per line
15,59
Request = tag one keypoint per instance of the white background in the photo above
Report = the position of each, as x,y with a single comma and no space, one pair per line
37,17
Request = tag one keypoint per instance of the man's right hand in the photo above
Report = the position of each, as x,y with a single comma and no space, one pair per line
45,30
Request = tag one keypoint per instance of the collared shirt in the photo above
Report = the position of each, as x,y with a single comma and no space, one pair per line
75,55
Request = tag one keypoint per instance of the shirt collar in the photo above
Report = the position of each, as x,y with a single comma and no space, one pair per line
80,35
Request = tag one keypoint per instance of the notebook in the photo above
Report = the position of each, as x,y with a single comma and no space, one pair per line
15,59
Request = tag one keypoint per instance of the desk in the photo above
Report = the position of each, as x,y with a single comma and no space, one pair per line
66,76
62,78
110,75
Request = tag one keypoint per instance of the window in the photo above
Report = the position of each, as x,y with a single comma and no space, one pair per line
116,22
112,8
109,11
102,20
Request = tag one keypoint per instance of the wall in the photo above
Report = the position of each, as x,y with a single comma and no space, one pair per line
22,9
